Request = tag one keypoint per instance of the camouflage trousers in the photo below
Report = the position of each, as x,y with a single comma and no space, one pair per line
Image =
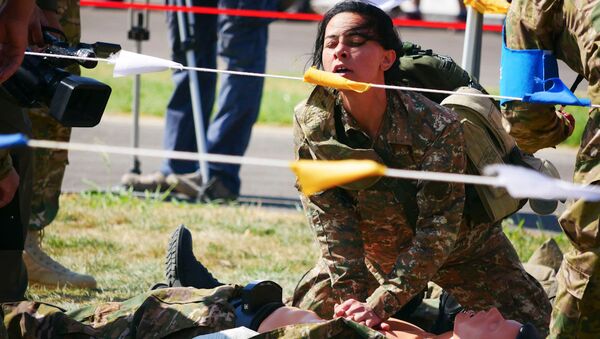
577,303
173,313
49,164
490,276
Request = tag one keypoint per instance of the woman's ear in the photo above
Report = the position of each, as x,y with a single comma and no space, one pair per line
389,57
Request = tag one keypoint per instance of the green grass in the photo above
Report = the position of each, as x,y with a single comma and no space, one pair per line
121,240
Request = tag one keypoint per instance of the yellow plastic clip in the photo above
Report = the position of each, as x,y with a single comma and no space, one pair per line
318,175
328,79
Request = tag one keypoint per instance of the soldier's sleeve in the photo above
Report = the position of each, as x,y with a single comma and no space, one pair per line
334,223
535,126
5,163
440,215
48,5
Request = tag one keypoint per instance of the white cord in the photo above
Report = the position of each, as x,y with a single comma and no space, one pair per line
276,76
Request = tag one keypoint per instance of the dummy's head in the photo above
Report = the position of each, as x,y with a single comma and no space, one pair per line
491,325
358,27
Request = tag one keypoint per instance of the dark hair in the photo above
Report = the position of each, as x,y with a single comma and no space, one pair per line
376,20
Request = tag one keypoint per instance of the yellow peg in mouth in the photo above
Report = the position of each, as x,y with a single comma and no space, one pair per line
328,79
318,175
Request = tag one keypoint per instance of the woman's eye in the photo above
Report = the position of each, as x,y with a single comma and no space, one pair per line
330,43
356,41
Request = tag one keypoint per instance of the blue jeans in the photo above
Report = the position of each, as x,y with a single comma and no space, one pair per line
242,43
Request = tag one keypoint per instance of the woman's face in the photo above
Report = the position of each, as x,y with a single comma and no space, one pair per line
351,52
489,325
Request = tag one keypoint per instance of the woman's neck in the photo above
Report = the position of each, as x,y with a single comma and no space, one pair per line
367,108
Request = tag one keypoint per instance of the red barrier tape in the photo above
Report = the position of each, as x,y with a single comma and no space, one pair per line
271,14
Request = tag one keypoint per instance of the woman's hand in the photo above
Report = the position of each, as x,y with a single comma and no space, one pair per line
361,313
8,187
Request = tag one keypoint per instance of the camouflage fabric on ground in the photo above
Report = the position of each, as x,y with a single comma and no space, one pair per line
174,313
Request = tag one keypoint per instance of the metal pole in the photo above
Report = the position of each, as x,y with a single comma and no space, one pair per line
471,58
138,32
186,29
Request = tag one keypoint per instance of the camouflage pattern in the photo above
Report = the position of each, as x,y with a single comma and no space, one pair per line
370,250
571,29
5,163
49,165
174,313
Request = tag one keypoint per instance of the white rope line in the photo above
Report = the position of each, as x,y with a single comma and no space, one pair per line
220,158
277,76
243,160
62,56
441,176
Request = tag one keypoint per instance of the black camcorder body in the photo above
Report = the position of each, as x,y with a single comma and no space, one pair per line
74,101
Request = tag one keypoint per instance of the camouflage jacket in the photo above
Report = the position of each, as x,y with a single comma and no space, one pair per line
401,231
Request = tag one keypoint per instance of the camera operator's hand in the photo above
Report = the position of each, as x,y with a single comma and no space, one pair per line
39,19
8,187
14,16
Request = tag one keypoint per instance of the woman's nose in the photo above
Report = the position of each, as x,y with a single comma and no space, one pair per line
341,51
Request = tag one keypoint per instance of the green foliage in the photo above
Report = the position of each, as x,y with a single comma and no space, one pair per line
527,241
581,116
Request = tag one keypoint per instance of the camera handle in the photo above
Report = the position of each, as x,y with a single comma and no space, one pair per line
138,32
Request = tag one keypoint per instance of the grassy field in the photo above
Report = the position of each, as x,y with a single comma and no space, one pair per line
121,240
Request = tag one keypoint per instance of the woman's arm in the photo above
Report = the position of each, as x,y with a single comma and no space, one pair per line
440,208
331,216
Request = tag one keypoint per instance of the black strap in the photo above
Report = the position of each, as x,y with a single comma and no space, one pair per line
576,82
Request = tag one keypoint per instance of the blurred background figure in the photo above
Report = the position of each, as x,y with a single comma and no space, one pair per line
49,164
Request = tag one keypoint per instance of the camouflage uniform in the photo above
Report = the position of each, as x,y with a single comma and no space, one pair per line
383,239
49,164
571,29
173,312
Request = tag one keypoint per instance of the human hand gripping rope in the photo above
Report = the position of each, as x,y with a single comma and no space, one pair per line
317,175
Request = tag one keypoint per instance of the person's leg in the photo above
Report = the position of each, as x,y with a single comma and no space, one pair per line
576,306
13,227
48,172
494,277
242,45
179,121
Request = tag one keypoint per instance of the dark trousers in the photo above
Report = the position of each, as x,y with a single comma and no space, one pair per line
241,43
14,217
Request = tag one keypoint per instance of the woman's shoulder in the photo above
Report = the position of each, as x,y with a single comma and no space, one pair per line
423,113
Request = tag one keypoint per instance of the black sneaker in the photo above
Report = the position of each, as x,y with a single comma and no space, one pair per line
182,269
216,191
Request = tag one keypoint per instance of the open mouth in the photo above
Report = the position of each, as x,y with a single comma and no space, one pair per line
341,70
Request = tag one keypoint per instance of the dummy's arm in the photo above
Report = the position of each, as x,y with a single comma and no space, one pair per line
334,222
440,215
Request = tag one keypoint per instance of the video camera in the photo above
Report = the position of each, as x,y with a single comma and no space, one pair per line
74,101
